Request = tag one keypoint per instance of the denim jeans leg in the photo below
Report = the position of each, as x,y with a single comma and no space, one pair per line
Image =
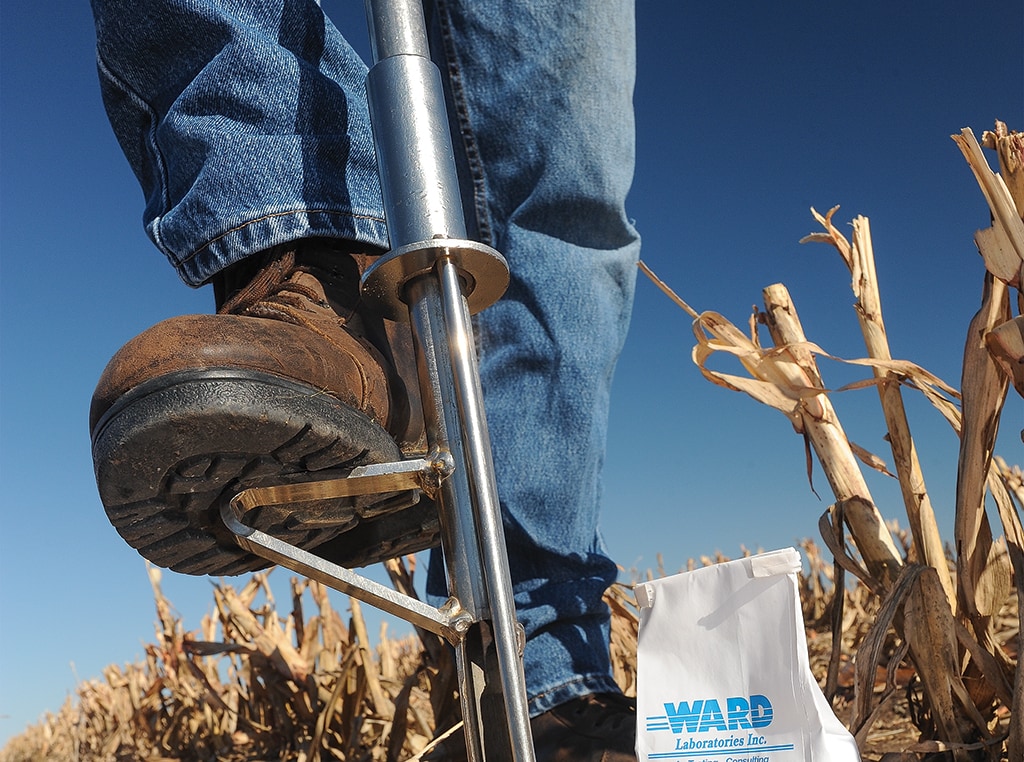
245,122
542,95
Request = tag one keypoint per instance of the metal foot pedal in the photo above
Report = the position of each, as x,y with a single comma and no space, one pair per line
450,621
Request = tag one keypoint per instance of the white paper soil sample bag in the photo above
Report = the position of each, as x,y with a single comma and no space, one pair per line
723,674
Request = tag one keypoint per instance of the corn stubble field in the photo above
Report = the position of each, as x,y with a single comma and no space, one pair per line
918,652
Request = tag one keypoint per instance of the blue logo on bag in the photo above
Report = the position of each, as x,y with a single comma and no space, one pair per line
703,715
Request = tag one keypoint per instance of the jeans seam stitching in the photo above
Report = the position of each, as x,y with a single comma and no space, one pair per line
152,143
591,681
461,109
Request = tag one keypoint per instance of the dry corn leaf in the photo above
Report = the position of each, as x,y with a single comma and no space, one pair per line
1011,482
1009,146
768,383
831,527
1005,343
787,378
871,460
792,389
381,703
928,627
983,389
987,664
400,725
775,380
1002,245
869,654
269,641
991,572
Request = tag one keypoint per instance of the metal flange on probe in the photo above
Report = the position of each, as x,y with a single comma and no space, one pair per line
420,187
483,274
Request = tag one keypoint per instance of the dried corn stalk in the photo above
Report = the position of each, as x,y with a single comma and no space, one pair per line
126,713
822,427
786,378
1002,244
860,259
993,359
965,672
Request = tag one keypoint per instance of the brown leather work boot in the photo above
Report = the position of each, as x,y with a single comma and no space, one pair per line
286,384
595,728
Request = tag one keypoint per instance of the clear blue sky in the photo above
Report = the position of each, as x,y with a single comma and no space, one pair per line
748,114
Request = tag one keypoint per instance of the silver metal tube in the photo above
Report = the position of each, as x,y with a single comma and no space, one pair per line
490,533
441,418
396,28
422,205
420,186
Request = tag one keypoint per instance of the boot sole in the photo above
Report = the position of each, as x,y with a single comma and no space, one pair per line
171,452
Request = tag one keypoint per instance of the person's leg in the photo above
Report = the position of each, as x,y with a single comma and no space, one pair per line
245,122
542,93
230,169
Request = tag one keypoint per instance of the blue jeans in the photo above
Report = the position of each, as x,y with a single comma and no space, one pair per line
246,124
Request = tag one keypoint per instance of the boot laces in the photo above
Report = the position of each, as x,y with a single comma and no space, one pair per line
274,278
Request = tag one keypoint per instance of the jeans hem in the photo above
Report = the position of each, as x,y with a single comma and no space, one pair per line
271,230
578,687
